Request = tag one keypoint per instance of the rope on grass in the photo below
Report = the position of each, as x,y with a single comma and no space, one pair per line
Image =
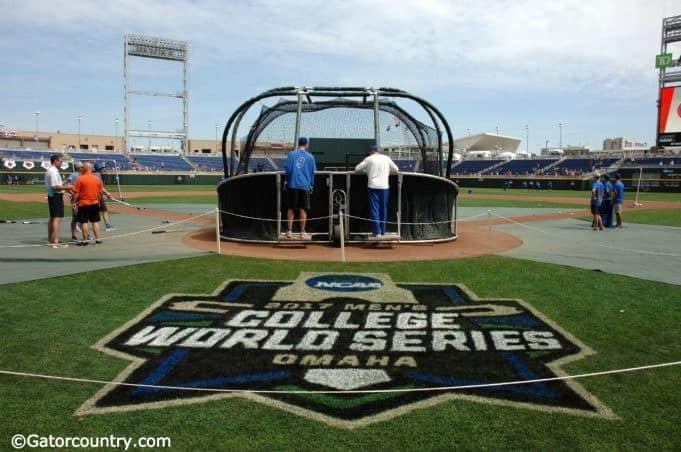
127,234
355,391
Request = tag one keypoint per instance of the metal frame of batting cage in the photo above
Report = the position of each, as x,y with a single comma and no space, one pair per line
308,94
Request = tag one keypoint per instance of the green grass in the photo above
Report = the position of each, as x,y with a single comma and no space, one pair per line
539,203
666,217
48,333
10,210
629,196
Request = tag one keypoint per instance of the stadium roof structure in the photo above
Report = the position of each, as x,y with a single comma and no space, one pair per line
487,142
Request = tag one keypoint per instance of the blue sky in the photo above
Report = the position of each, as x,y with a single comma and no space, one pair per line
484,64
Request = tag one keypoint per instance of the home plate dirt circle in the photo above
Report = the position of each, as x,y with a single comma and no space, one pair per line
473,241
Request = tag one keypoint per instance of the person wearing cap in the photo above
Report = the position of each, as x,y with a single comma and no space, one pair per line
606,205
378,168
87,191
299,182
103,209
618,200
75,226
55,188
596,200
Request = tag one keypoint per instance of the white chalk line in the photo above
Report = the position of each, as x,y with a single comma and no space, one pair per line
355,391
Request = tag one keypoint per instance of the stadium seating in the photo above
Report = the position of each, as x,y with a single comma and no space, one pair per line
521,167
206,163
264,162
279,163
650,162
154,162
467,167
407,165
122,161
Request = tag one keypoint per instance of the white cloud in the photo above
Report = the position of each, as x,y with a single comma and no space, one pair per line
600,46
515,43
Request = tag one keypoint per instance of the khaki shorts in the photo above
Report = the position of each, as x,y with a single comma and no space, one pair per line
618,208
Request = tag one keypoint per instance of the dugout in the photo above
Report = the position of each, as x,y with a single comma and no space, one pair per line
341,124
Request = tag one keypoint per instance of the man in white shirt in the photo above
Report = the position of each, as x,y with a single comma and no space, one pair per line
378,168
55,200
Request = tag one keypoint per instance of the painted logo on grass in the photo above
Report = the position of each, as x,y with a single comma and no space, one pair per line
339,335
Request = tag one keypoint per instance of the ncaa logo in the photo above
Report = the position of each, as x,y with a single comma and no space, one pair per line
344,283
344,349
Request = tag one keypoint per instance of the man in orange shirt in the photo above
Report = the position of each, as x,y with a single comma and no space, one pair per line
86,195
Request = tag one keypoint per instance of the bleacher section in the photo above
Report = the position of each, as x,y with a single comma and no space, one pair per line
407,165
522,167
582,165
122,161
206,163
650,162
468,167
151,162
280,163
261,164
24,155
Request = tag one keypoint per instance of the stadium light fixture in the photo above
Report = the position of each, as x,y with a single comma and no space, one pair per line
80,118
216,137
560,135
37,114
116,132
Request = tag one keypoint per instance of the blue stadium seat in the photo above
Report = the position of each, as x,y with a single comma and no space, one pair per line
154,162
468,167
522,167
206,163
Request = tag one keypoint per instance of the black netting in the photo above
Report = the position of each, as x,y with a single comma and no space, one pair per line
340,119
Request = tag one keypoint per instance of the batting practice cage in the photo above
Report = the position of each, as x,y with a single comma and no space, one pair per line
341,124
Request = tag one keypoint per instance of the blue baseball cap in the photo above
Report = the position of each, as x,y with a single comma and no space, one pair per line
302,141
373,148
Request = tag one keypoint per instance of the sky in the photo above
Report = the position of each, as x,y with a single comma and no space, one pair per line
484,64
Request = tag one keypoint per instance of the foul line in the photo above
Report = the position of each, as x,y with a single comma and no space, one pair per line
356,391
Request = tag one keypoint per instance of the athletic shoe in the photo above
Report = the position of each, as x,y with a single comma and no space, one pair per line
109,228
98,242
82,243
304,236
60,245
74,238
289,234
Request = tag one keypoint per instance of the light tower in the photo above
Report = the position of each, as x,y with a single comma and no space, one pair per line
157,49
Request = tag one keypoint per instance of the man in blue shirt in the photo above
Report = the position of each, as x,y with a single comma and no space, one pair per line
300,168
606,205
596,200
619,199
